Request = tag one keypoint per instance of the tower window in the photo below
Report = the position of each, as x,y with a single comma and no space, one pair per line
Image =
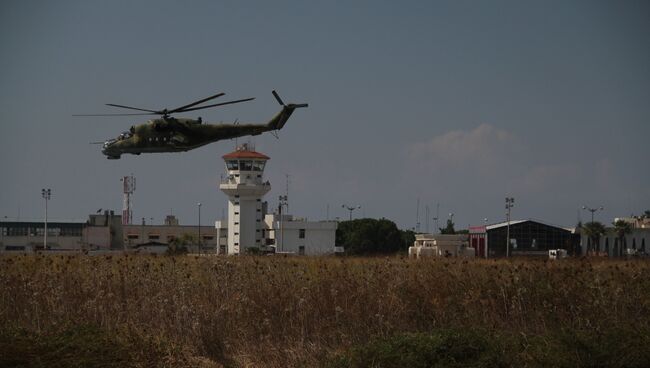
232,165
246,165
301,234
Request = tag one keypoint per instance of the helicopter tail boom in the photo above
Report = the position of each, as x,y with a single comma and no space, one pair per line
281,118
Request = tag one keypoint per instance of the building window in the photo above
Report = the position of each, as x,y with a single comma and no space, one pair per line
246,165
236,234
236,213
154,237
232,165
301,250
236,195
236,223
301,234
208,237
132,236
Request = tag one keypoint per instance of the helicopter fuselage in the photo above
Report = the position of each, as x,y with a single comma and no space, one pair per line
169,134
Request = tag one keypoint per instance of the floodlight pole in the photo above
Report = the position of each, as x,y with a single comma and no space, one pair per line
510,202
350,208
46,193
593,210
199,205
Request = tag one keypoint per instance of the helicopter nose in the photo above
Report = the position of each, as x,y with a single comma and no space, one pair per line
106,148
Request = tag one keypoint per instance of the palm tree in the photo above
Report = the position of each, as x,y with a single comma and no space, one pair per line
593,230
621,228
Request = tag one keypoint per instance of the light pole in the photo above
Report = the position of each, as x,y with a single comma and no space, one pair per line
46,193
199,205
350,208
510,202
593,210
283,201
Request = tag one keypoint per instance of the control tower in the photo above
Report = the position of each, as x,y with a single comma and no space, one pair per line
245,187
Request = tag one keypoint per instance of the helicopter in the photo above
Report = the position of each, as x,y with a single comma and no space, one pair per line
170,134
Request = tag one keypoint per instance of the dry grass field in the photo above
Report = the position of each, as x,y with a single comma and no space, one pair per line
148,311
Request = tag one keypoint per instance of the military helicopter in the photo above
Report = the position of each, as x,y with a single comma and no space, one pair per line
169,134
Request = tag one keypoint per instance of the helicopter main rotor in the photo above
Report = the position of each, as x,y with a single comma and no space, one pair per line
165,112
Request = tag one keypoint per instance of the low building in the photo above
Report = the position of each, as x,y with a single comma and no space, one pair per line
99,232
441,245
145,236
635,243
527,238
103,232
288,234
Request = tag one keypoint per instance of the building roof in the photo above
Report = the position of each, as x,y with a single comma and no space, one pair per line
514,222
245,154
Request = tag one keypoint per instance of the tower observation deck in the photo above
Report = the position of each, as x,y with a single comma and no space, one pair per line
245,187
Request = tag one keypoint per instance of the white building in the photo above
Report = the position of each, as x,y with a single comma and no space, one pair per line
637,242
289,234
441,245
245,187
250,227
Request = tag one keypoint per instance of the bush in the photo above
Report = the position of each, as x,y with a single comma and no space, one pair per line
443,348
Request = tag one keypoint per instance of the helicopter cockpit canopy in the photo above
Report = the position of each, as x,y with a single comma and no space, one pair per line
124,135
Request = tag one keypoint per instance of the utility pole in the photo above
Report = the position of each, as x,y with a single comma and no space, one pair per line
510,202
46,193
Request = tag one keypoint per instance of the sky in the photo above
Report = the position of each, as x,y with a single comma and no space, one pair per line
415,107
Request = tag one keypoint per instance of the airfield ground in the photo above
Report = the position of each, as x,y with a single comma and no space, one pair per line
146,311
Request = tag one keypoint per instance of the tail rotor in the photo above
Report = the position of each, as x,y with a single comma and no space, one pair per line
291,105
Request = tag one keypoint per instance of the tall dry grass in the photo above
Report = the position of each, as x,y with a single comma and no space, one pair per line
275,311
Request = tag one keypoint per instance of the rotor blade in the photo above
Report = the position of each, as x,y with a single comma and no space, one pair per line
298,105
140,114
277,97
182,108
219,104
131,108
96,143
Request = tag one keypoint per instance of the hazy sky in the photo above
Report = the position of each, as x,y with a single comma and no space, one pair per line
452,102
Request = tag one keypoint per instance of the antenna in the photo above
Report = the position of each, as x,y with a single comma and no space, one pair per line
417,217
426,211
287,192
128,187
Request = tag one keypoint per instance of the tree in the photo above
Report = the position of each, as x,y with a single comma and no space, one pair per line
593,230
621,228
449,229
370,236
179,245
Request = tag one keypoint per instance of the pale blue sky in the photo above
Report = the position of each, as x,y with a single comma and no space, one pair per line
453,102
